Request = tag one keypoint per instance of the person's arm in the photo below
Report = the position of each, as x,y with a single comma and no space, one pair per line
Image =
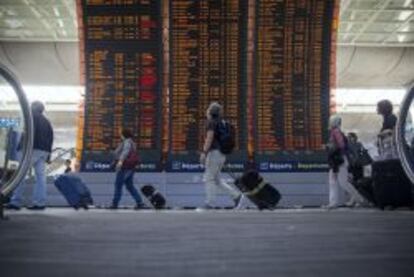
208,141
207,145
126,148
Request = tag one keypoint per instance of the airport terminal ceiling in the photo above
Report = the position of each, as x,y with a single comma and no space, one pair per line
375,42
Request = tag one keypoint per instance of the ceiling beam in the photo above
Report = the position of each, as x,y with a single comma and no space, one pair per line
406,23
45,23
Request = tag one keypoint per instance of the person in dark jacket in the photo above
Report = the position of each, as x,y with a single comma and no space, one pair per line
42,147
384,108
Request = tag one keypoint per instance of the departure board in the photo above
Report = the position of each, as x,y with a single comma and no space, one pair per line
207,63
292,86
123,59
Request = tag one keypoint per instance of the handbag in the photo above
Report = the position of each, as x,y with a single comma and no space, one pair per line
335,159
364,158
131,160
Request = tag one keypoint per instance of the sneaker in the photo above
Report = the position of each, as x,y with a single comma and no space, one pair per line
140,206
237,201
350,204
112,207
330,207
12,207
36,208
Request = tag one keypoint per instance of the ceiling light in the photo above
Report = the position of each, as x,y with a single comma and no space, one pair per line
14,23
401,38
404,15
56,11
408,3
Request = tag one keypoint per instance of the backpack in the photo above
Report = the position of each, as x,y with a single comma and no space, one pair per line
226,136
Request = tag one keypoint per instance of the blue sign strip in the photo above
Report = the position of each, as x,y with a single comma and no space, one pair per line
9,122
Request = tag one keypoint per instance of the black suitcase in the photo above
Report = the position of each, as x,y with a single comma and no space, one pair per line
156,199
262,194
391,185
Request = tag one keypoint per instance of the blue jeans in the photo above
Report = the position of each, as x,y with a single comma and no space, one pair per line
124,176
39,158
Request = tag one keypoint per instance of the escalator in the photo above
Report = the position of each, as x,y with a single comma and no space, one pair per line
405,135
15,118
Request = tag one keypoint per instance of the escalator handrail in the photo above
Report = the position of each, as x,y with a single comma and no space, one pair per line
64,152
400,134
25,162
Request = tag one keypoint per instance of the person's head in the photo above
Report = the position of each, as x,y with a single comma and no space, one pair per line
384,107
352,137
214,111
37,107
126,134
68,163
335,121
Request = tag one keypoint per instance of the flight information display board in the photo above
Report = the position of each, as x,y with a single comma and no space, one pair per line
292,86
123,60
207,63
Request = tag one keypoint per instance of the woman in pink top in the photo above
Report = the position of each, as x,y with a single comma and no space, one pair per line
338,165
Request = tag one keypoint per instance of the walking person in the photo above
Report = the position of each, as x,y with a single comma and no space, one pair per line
42,147
338,166
126,161
213,158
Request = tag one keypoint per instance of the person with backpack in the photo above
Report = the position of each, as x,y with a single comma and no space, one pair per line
219,142
338,165
126,158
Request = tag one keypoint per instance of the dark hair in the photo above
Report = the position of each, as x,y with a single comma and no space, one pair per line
353,135
37,107
384,107
127,133
68,161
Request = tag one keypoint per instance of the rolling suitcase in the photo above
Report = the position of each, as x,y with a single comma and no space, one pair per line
391,185
260,193
74,190
156,199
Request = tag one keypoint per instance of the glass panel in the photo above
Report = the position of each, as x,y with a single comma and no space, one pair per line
402,38
393,16
371,4
11,127
399,4
352,15
345,38
350,27
367,38
382,27
405,134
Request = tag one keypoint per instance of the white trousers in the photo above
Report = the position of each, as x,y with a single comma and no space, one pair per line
340,179
214,163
